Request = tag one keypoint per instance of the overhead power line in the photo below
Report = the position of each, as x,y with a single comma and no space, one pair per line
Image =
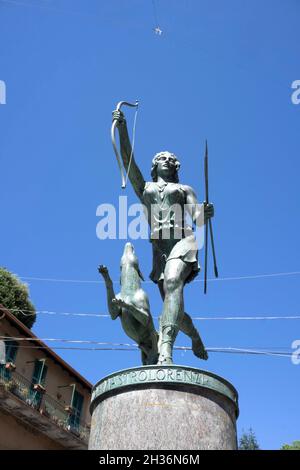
210,350
220,279
63,340
219,318
108,346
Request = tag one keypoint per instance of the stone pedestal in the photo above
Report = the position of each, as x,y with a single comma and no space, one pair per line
163,408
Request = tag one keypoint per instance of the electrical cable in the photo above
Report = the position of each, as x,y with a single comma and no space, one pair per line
232,278
132,347
219,318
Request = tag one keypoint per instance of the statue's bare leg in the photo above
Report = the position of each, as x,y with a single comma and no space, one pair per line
175,274
188,328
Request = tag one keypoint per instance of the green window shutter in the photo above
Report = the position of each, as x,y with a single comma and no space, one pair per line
36,372
39,372
43,375
77,405
2,358
11,350
78,402
38,377
2,352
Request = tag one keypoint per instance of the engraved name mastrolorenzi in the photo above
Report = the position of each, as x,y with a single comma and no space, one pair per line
135,377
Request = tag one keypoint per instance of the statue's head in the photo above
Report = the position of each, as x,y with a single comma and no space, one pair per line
165,164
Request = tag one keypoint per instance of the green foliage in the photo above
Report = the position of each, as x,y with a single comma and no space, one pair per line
15,295
294,446
248,441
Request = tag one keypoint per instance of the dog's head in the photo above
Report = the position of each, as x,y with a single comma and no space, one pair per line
129,258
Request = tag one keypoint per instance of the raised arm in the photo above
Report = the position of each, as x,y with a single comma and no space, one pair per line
135,176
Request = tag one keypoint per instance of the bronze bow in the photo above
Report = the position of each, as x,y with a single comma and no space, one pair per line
113,127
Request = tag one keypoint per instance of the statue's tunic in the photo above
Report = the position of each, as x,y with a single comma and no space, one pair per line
170,236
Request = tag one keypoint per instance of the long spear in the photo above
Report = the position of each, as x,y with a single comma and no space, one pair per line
208,225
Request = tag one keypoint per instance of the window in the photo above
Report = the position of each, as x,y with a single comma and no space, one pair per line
77,404
38,378
11,349
2,352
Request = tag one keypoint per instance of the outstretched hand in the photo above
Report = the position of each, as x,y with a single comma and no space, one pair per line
209,211
118,116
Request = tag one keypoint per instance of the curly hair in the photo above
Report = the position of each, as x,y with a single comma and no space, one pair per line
155,163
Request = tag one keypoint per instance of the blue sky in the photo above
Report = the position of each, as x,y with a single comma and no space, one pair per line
221,71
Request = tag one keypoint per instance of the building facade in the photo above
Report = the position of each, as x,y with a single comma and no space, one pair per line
44,402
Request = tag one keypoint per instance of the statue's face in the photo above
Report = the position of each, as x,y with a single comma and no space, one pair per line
166,165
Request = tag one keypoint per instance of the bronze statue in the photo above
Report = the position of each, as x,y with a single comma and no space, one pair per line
132,305
175,257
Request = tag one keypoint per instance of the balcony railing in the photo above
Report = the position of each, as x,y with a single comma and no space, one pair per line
46,405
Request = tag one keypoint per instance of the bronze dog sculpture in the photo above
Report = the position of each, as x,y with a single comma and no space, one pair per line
132,305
